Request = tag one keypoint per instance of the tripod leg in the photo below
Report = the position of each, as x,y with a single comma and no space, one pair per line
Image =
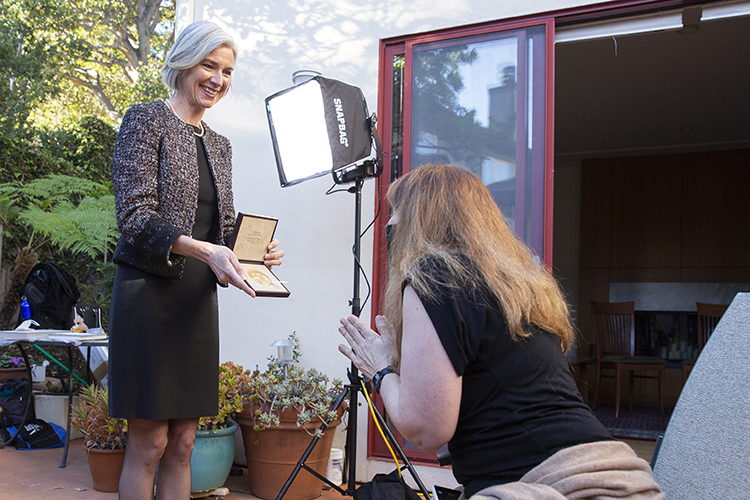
306,454
350,466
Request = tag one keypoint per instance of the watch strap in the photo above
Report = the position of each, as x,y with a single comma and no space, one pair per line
377,379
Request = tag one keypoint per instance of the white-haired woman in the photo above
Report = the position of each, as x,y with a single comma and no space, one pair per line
172,176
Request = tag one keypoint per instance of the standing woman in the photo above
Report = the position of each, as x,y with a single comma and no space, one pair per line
172,176
474,356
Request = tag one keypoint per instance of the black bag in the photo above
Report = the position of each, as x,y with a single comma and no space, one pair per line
386,487
37,434
14,396
51,293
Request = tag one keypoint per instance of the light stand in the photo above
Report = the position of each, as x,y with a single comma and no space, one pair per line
319,126
352,389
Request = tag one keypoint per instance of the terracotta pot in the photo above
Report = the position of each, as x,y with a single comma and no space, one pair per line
272,454
105,467
16,373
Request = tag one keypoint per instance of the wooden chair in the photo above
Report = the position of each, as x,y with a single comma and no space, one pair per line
92,315
708,317
614,329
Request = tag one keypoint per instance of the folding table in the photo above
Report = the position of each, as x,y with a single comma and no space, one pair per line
28,338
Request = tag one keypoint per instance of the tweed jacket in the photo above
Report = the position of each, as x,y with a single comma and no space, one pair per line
155,176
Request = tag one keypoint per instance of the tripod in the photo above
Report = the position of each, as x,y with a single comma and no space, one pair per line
352,389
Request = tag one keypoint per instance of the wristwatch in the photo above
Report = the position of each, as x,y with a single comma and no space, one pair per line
377,380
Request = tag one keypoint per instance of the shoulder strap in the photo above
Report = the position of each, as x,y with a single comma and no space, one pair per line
63,281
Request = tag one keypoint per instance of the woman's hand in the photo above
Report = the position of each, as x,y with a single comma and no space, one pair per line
369,351
227,268
273,257
222,261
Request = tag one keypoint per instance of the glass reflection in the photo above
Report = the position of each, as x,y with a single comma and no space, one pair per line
464,102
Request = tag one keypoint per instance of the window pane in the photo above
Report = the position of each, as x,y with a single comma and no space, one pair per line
478,102
397,115
464,112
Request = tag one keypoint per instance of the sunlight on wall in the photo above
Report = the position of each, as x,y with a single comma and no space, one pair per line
340,39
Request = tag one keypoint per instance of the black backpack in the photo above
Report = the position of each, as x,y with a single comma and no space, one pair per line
51,293
14,396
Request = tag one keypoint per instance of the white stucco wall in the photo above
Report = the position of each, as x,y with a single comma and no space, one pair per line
340,39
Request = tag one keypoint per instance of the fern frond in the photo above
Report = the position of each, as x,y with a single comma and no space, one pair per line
89,228
58,185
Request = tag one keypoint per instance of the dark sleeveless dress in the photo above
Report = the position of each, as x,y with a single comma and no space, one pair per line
164,332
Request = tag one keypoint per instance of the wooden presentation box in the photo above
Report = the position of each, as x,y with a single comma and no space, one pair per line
252,234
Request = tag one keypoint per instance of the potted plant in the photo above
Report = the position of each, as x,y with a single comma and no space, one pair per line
104,437
213,453
11,367
283,408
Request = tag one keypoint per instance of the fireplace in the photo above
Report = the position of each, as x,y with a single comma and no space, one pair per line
670,335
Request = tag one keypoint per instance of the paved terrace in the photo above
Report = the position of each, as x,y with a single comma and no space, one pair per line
34,475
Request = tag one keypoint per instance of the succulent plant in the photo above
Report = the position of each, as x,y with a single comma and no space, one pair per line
91,418
230,401
279,388
8,361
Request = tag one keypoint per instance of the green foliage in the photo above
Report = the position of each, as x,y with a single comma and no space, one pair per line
91,418
95,281
21,160
114,51
83,148
26,62
93,57
8,361
71,213
69,221
62,174
72,69
230,401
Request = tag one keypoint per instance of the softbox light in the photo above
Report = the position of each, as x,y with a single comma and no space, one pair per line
319,127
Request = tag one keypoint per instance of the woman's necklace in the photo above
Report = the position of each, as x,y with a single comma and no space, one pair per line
200,125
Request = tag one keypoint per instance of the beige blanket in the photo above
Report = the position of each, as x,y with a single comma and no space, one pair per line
596,471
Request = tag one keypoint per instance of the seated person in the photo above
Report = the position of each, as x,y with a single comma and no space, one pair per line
473,354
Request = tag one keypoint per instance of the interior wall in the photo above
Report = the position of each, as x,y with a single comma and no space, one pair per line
663,218
566,232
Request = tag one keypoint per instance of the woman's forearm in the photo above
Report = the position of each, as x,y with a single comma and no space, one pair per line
189,247
423,400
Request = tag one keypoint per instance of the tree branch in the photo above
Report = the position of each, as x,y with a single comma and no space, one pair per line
96,89
147,11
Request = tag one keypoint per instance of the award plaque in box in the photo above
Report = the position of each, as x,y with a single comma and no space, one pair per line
252,234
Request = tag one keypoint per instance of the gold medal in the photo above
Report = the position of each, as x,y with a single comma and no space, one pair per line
259,277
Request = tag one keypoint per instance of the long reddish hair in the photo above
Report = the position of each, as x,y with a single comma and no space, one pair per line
446,212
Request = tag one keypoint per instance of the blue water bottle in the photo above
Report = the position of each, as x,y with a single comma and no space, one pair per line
25,308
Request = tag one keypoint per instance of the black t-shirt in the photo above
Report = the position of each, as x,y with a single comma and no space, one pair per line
519,402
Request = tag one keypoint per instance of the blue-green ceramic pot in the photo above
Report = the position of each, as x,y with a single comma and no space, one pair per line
212,458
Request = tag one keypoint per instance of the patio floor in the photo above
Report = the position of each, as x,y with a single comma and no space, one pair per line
34,475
